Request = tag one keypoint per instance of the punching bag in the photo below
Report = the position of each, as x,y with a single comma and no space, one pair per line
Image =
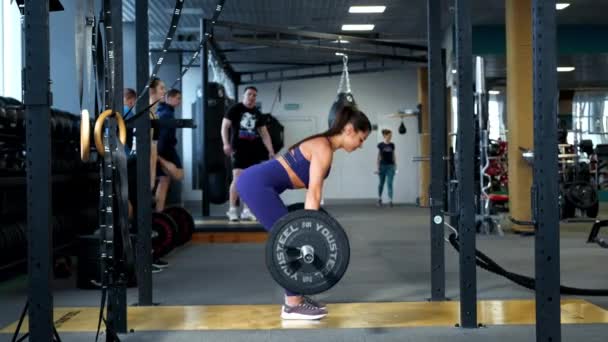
345,96
342,100
276,132
402,129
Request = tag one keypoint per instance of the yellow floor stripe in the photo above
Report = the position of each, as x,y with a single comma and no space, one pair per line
353,315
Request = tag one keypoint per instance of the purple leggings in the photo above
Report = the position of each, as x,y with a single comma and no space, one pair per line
259,187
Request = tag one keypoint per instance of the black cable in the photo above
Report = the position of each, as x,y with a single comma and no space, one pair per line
168,40
216,15
489,265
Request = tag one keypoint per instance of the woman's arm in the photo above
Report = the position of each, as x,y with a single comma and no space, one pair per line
322,156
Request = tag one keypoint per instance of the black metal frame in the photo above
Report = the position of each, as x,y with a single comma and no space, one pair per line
38,100
317,70
465,163
204,60
545,190
144,212
436,83
221,58
278,32
117,289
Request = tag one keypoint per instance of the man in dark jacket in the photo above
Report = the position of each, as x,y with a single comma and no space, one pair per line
169,164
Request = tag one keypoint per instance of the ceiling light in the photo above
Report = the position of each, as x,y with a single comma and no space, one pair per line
454,71
366,9
340,54
341,41
362,27
494,92
565,69
561,5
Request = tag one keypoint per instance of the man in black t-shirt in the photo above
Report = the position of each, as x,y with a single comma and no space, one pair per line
242,128
386,165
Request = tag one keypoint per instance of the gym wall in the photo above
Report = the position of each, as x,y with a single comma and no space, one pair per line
377,94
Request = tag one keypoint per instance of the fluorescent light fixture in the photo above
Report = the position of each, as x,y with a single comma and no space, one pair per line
366,9
494,92
565,69
361,27
454,71
561,5
341,41
340,54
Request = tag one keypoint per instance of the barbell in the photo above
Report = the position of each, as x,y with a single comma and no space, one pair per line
307,251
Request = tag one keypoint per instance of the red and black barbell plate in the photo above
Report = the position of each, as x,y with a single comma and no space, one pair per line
184,221
163,234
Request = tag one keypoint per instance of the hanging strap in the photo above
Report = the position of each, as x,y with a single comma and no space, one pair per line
344,78
278,96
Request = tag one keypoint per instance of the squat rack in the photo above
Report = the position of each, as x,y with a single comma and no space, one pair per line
38,100
544,190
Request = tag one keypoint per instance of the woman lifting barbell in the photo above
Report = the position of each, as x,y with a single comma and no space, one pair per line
305,165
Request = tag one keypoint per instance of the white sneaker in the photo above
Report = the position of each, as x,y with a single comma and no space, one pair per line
232,214
247,215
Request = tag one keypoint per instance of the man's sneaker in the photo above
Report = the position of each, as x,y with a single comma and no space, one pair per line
303,311
313,302
379,203
160,263
156,269
247,215
232,214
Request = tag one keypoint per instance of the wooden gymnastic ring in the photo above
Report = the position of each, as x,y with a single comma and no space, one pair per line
122,129
85,135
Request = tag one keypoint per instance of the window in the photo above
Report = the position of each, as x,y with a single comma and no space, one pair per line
589,117
10,50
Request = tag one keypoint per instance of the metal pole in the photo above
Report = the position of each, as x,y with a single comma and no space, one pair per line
438,151
117,295
466,162
144,212
545,189
38,100
204,107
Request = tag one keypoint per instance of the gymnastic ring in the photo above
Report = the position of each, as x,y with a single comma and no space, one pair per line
85,135
122,129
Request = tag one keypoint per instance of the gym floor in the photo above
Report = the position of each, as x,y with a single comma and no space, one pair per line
210,288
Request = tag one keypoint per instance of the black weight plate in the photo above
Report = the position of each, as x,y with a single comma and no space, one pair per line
3,245
184,221
582,195
300,206
331,252
163,233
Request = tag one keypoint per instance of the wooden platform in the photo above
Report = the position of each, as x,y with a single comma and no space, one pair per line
341,316
229,237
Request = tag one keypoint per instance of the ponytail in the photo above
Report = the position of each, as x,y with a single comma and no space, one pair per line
346,115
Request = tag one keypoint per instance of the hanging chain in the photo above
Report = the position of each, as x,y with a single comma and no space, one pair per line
344,78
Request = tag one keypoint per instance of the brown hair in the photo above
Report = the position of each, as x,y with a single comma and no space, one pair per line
173,92
129,93
346,115
386,132
154,82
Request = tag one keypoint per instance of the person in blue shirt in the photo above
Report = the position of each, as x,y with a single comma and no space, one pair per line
169,163
129,97
387,165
